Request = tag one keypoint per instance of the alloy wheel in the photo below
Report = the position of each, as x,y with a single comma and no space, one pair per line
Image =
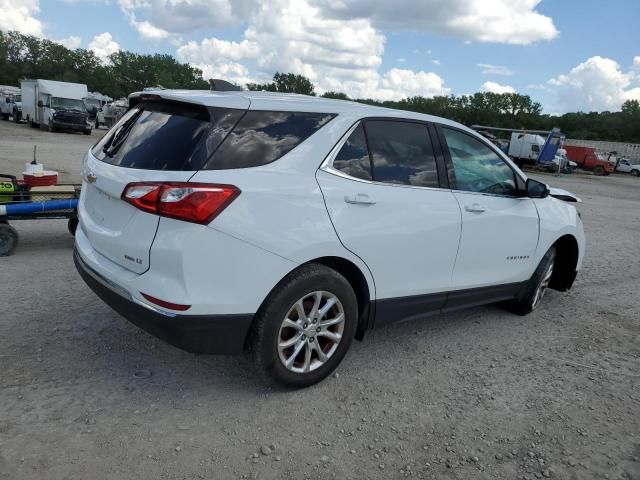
311,331
544,284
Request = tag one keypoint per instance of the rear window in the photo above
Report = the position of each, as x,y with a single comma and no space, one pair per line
172,136
165,136
261,137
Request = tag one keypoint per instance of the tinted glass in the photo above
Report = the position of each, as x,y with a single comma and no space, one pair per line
353,157
261,137
476,167
165,136
402,153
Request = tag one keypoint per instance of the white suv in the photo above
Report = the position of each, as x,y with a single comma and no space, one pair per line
288,225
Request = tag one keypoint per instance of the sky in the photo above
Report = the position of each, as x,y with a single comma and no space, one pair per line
569,55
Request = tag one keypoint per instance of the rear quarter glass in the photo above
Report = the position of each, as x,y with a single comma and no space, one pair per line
262,137
166,136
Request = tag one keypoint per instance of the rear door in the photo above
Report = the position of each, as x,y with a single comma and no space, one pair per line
383,194
156,141
499,226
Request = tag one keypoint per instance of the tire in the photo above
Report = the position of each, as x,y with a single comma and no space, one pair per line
87,132
72,226
278,321
635,173
8,239
5,116
599,171
16,117
533,292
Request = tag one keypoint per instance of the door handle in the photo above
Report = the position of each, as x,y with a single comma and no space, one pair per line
359,199
474,208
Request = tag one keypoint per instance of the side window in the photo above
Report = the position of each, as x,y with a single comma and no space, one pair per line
535,147
402,153
261,137
353,157
477,168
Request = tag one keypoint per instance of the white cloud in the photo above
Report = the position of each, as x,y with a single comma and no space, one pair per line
20,15
500,21
296,36
397,84
594,85
435,62
489,69
103,45
71,42
149,31
402,60
494,87
174,16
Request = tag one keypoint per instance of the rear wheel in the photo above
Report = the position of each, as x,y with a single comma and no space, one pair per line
635,173
531,295
599,170
305,326
8,239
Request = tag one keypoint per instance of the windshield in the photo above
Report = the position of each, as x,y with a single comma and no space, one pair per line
17,98
68,104
94,102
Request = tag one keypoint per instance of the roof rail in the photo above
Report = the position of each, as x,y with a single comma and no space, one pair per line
222,86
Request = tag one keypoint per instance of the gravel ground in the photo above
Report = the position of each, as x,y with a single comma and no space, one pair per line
475,394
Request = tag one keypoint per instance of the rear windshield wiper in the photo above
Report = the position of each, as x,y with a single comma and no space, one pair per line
120,135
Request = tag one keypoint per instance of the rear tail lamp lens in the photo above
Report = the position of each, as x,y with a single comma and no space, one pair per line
190,202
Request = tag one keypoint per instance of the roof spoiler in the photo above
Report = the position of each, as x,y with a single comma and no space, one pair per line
215,84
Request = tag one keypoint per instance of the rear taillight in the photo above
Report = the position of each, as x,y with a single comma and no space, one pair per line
191,202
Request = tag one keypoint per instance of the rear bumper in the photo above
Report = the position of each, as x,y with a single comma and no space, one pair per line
222,334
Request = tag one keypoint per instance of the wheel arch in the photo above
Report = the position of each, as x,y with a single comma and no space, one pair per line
356,279
567,253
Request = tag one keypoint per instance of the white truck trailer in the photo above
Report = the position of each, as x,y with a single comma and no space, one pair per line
525,147
10,103
55,105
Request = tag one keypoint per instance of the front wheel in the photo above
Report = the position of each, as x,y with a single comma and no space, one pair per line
531,295
305,326
599,171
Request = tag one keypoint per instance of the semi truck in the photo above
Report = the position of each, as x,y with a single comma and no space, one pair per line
53,105
10,103
588,159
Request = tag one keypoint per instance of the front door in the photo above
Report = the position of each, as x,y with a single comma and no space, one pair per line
499,226
383,197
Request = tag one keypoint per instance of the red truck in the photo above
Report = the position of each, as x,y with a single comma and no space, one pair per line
588,159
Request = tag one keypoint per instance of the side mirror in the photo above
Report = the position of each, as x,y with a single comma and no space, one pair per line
40,103
536,189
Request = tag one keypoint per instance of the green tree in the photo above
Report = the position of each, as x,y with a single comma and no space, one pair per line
286,83
335,95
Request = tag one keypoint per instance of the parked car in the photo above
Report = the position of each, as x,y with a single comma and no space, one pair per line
627,166
288,225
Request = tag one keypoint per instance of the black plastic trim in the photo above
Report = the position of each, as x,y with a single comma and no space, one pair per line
392,310
223,334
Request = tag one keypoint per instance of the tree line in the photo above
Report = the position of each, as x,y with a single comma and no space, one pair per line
25,56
